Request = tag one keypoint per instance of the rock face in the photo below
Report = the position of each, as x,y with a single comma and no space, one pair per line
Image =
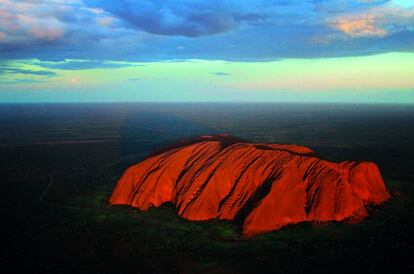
262,186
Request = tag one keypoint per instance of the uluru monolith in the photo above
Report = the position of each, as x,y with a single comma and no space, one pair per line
262,186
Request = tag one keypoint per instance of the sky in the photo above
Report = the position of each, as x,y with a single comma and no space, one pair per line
354,51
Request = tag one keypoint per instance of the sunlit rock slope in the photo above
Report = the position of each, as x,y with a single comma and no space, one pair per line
262,186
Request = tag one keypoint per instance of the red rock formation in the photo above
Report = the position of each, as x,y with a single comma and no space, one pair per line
264,186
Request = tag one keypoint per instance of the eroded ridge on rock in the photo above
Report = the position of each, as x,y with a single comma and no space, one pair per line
262,186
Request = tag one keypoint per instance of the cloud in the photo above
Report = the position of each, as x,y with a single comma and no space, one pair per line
186,18
155,30
361,25
22,81
221,74
80,64
21,20
375,22
12,70
43,24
